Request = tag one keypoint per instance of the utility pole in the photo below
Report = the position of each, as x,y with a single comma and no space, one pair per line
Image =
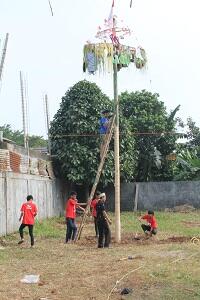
24,112
47,122
3,55
116,155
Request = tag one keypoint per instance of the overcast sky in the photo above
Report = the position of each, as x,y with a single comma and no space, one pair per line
49,52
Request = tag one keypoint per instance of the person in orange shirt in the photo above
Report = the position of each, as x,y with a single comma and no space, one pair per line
152,226
28,213
94,212
70,214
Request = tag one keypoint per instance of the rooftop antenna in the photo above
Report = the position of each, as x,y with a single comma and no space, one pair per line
3,55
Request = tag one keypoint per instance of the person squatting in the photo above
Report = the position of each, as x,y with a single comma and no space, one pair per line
151,227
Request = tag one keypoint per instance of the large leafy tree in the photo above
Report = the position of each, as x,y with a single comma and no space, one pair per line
75,137
17,136
154,132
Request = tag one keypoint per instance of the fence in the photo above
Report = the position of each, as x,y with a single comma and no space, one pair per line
14,187
156,195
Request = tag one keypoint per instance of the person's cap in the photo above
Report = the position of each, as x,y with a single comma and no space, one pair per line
102,195
106,111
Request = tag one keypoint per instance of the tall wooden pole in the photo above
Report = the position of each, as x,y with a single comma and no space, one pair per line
3,55
48,123
23,111
116,153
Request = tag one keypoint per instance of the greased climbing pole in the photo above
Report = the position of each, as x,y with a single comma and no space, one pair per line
110,55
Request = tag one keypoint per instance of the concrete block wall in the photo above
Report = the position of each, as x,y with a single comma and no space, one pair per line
14,187
156,195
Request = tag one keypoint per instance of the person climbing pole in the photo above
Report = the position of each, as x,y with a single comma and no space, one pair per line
104,125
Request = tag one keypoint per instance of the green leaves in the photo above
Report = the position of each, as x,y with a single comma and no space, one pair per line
75,132
17,136
144,142
76,141
148,119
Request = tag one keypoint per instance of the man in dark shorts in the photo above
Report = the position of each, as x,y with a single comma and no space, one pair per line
70,214
28,213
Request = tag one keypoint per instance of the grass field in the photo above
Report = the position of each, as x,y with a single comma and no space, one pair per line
167,267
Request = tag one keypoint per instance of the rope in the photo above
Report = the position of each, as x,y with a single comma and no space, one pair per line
195,240
133,133
126,275
174,261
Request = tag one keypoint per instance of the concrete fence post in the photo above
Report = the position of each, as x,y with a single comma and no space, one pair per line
136,196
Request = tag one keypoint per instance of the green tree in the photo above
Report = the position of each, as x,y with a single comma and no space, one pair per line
13,135
193,136
153,129
17,136
75,137
36,141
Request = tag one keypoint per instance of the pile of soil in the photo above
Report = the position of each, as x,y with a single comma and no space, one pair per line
128,239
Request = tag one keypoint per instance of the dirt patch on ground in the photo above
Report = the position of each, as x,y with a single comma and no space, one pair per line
175,239
128,239
191,224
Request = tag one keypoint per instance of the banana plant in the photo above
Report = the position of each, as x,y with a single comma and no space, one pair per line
187,165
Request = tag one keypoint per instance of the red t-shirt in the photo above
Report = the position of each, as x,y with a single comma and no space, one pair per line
93,206
71,208
151,220
29,210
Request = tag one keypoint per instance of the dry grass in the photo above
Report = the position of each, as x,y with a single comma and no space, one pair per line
170,267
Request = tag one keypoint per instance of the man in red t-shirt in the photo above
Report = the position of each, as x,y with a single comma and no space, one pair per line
94,212
70,214
28,213
151,227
